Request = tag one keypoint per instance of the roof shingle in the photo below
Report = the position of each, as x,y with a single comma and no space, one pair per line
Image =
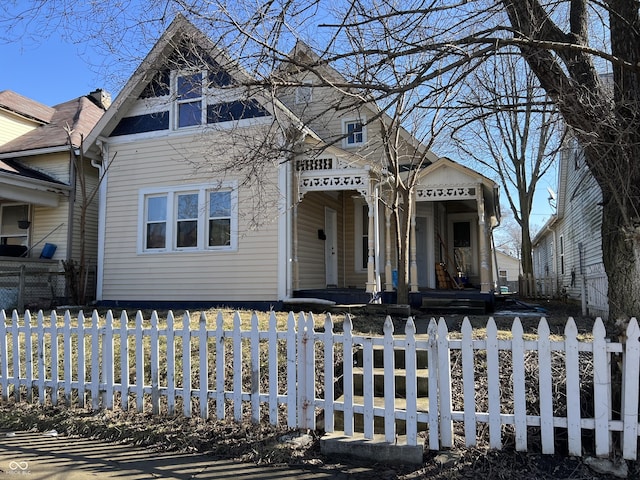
79,114
26,107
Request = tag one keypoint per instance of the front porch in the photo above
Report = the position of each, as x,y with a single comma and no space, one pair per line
438,301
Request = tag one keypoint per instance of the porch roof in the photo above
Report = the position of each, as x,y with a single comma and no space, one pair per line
22,184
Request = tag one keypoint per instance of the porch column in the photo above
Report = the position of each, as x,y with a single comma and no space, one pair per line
371,274
413,267
485,254
294,252
388,272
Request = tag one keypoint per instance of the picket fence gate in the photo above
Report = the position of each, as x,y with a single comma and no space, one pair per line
79,358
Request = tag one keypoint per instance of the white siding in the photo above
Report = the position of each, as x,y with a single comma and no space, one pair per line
311,259
248,274
13,126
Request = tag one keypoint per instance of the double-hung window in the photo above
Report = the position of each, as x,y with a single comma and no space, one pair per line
219,218
155,222
354,133
189,99
189,218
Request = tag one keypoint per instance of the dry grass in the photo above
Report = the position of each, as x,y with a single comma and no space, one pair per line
261,443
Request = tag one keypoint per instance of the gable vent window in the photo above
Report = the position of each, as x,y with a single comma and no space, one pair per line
304,94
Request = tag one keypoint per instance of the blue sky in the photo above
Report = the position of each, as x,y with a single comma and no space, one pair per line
54,71
51,72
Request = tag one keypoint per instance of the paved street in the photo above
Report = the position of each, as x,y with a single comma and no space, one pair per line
38,456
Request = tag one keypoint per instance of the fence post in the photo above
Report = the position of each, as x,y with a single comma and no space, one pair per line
124,360
292,372
444,384
171,364
41,377
601,389
203,370
305,367
95,361
631,384
468,384
186,364
154,364
411,382
389,381
237,368
4,357
28,351
432,362
108,361
54,358
273,368
254,343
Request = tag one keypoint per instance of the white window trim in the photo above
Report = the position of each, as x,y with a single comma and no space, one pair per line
345,122
177,101
203,217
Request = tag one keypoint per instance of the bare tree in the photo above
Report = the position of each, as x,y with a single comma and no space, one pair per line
567,44
512,130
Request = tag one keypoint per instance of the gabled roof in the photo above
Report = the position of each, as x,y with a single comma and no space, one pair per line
25,107
80,114
174,37
444,162
302,56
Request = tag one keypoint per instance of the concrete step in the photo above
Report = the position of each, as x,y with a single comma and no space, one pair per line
375,449
454,305
378,422
400,380
399,357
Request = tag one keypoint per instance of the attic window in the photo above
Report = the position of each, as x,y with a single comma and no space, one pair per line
354,132
189,99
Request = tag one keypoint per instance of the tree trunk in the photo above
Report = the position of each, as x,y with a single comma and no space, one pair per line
402,216
621,256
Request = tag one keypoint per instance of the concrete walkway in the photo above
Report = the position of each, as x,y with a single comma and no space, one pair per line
42,456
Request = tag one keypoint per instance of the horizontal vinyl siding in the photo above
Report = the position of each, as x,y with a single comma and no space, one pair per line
91,221
50,225
12,126
581,225
248,274
55,165
311,265
311,256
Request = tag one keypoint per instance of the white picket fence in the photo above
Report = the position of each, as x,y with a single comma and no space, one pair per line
109,362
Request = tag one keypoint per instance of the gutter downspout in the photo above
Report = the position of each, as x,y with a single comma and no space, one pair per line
101,142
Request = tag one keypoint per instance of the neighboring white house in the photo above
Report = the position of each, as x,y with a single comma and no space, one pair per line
567,252
41,195
175,227
507,270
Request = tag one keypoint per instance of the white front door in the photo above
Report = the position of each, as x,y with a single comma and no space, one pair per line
331,246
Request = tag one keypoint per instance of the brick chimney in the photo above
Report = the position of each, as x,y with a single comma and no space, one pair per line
101,97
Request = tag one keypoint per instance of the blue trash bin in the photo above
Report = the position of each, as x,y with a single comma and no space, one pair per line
48,250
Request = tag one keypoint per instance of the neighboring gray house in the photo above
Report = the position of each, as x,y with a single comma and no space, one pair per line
567,252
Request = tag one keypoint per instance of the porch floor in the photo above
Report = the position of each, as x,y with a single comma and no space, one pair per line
468,300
